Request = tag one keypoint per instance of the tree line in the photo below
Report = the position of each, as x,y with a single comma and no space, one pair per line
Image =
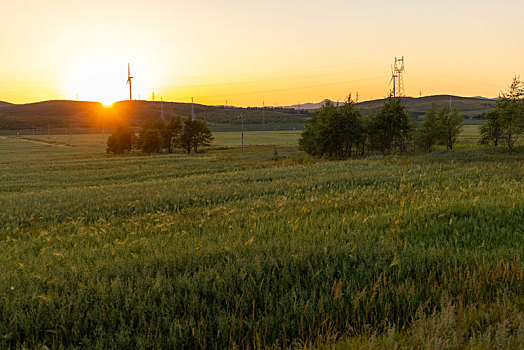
156,136
342,131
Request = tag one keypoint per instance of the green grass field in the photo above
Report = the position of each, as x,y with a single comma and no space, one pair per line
245,249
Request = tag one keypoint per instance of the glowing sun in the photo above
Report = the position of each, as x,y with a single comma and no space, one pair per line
100,78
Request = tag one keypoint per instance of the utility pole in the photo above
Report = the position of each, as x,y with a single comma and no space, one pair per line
242,130
263,112
162,108
192,109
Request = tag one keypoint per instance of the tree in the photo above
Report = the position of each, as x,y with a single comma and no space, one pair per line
318,137
392,126
351,127
150,138
429,133
450,125
491,131
170,134
194,134
367,122
335,131
510,108
121,140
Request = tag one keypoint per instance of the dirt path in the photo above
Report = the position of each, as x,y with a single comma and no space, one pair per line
42,142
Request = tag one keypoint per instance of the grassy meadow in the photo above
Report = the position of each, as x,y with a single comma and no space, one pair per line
262,248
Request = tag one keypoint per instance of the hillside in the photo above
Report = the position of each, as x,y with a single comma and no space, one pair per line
470,107
67,114
74,114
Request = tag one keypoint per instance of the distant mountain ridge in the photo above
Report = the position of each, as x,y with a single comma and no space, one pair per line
310,105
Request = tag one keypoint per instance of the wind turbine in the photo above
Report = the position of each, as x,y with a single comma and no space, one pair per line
129,77
393,77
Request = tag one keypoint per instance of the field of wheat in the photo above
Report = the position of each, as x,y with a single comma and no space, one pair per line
258,249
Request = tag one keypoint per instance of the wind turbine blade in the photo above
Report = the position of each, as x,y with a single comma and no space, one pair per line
390,80
128,70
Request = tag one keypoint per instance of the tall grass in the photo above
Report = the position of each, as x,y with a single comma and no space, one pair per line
166,252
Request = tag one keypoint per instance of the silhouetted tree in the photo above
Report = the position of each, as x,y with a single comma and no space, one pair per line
449,125
194,134
367,122
491,131
335,131
392,126
428,134
121,140
510,108
150,138
170,134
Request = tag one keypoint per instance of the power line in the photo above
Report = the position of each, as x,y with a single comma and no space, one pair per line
284,89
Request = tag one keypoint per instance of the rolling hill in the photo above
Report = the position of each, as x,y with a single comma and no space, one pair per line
470,107
80,114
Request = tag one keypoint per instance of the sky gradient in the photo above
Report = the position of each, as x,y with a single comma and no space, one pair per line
253,52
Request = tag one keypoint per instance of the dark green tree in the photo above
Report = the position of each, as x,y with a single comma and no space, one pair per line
151,135
449,125
491,131
392,126
351,128
367,123
121,140
510,108
170,134
194,134
428,134
333,131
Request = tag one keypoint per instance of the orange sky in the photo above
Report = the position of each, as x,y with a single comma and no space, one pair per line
250,52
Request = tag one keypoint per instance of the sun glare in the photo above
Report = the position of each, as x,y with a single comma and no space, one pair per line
101,79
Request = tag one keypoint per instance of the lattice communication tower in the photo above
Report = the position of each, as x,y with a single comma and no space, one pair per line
399,71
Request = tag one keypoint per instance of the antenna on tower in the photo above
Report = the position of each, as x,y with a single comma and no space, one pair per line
129,77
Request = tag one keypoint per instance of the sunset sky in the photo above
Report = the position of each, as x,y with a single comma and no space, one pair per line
248,51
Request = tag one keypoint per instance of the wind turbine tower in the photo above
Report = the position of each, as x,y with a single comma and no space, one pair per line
393,79
129,77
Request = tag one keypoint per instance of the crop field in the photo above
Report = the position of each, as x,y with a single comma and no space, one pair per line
233,249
